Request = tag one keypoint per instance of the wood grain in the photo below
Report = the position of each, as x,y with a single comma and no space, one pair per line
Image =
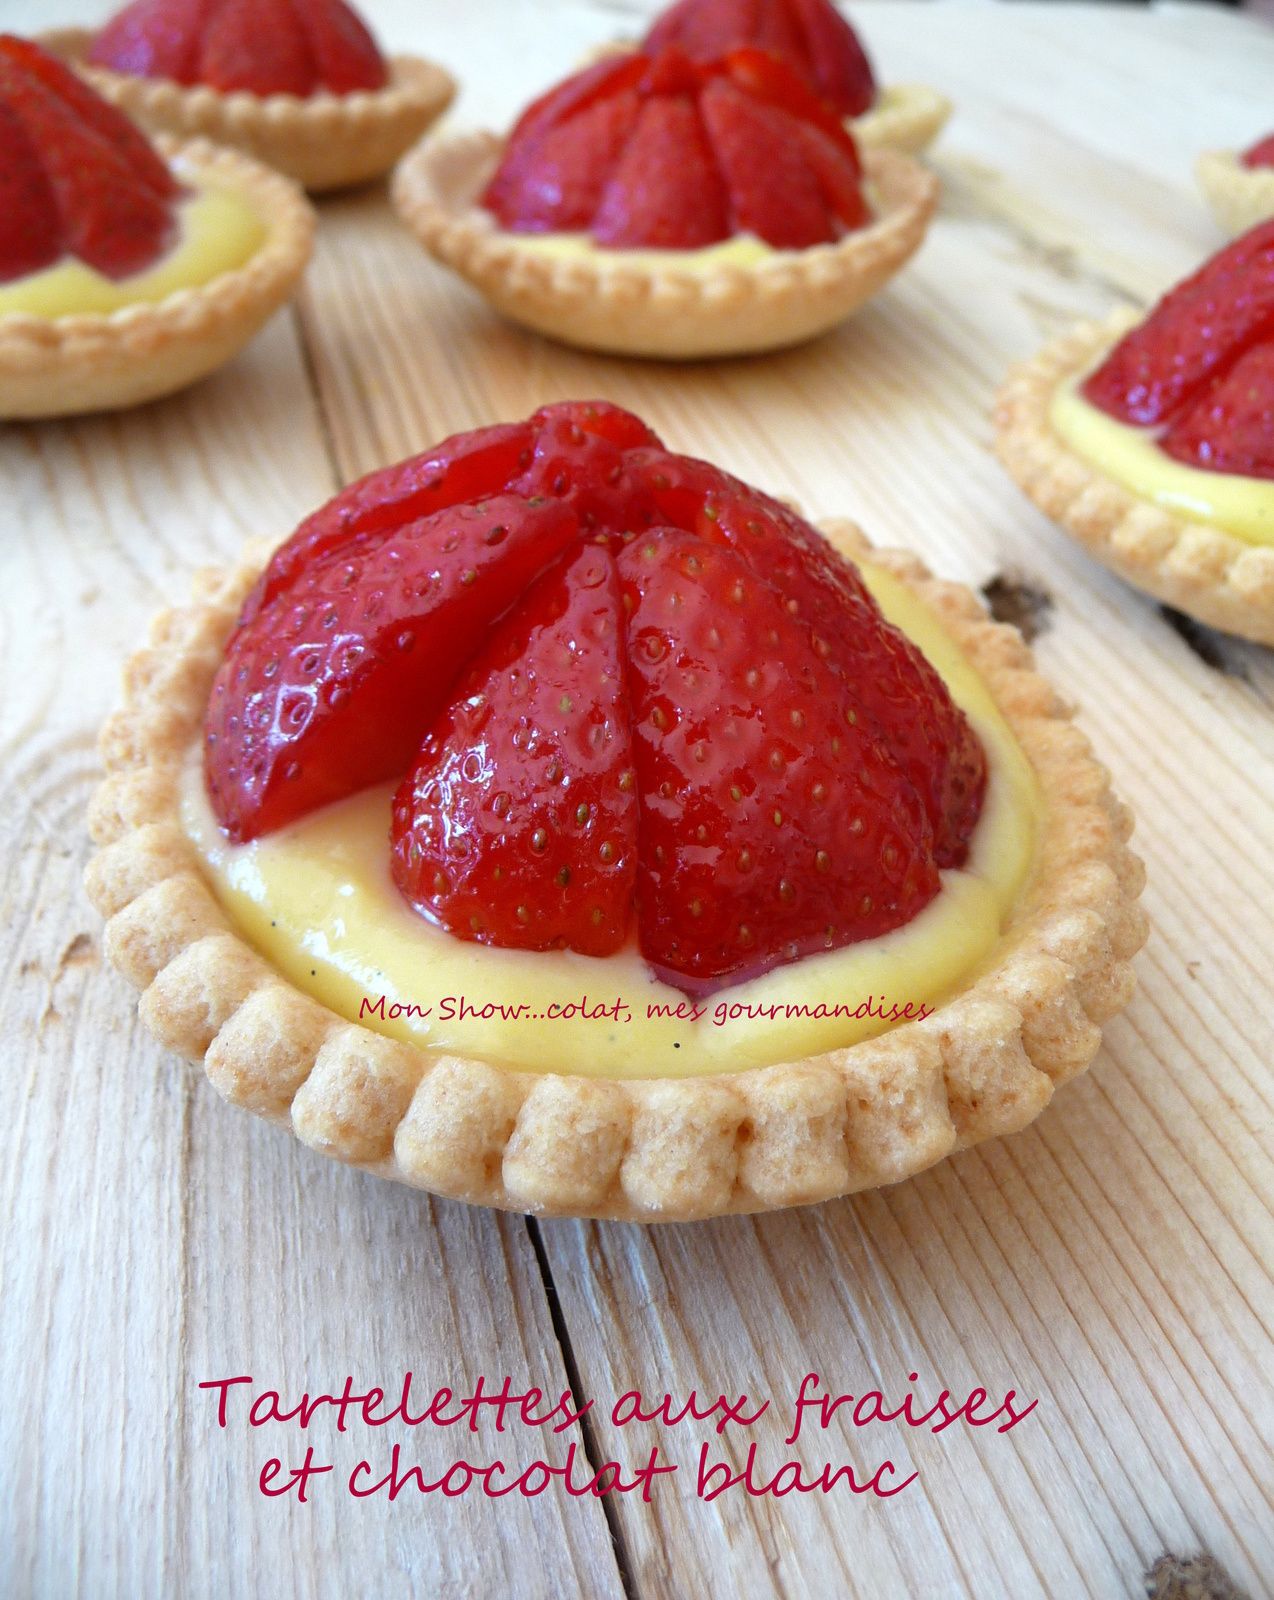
1113,1261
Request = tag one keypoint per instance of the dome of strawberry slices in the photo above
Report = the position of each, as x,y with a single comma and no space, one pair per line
265,47
1200,368
76,177
810,35
623,695
664,153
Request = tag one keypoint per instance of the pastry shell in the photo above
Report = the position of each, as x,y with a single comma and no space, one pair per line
1239,196
603,301
983,1064
324,141
63,366
906,117
1212,575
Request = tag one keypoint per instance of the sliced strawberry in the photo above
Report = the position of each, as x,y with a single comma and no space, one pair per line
30,232
517,825
895,690
153,39
1261,154
838,65
258,46
341,45
580,457
106,120
327,689
768,78
579,93
1230,427
559,185
810,36
466,467
111,217
773,824
773,192
1199,327
666,191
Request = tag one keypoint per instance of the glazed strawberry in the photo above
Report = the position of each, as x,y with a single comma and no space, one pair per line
1230,427
898,693
1193,334
773,823
605,676
659,152
529,768
1261,154
263,47
77,177
811,36
327,687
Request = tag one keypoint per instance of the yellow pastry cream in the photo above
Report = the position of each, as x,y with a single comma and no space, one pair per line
1130,456
318,901
216,232
742,250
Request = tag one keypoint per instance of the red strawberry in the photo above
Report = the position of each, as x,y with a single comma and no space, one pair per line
326,689
110,194
773,824
897,691
261,46
483,650
345,54
466,467
517,825
1195,331
30,237
838,65
659,152
666,189
1261,154
559,184
258,46
1230,427
153,39
810,36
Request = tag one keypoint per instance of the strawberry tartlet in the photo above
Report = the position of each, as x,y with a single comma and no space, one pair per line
1152,440
1239,184
126,269
300,84
558,822
654,205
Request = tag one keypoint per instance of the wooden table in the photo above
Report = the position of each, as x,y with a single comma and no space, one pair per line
1113,1262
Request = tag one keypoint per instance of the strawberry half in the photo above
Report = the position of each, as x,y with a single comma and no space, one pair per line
773,823
78,178
660,152
1193,334
517,825
1230,427
262,47
632,697
810,36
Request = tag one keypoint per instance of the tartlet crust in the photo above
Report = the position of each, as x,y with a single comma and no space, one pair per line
603,302
1212,575
325,141
906,117
64,366
982,1065
1238,196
